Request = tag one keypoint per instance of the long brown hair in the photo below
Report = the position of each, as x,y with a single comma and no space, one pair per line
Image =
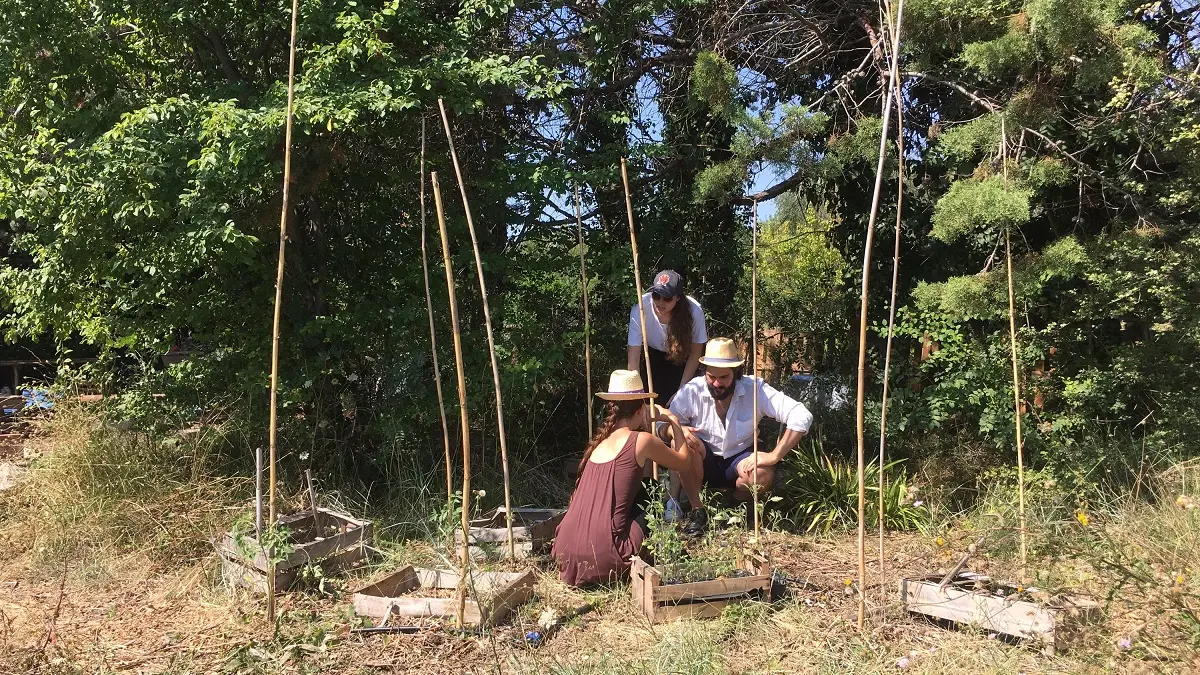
679,332
616,411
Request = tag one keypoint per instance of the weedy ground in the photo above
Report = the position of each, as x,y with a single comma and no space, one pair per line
107,566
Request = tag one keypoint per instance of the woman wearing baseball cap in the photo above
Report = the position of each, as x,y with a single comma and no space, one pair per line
675,332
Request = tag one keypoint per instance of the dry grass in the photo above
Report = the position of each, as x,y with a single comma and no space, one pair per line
97,496
139,515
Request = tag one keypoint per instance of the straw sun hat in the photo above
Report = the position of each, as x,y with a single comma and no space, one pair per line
721,353
625,385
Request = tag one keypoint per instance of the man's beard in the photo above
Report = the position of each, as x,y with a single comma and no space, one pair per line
720,393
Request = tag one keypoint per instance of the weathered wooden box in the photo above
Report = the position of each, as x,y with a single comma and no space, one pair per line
976,600
699,599
331,540
491,596
533,530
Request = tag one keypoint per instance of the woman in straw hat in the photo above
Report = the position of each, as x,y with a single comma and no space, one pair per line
604,527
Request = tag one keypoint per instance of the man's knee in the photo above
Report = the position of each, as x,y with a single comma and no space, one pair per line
765,481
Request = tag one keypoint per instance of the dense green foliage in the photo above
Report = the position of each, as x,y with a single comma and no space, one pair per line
141,150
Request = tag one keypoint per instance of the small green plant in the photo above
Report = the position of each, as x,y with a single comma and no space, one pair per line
275,541
663,541
712,555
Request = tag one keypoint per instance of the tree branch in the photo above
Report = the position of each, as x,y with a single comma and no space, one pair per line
1143,212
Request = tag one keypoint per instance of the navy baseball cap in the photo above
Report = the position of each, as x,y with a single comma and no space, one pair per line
667,284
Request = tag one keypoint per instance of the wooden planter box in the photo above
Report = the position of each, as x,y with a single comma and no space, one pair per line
699,599
533,530
331,540
976,600
491,596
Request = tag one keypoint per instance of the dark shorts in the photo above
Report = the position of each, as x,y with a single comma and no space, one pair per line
721,472
666,375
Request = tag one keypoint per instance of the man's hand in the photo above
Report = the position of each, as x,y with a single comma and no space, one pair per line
746,466
693,441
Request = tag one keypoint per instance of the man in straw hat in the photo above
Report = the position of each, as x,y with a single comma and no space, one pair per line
716,412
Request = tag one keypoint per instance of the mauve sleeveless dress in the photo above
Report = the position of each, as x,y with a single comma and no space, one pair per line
598,535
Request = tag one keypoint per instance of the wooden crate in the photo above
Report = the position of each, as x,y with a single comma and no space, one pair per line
700,599
975,600
491,596
331,540
533,530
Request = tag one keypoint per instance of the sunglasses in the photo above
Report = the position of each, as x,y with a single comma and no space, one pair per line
662,298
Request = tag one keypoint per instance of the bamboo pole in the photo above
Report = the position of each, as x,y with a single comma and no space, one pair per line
464,556
487,322
437,371
1012,334
887,359
258,496
587,335
283,214
754,348
893,74
637,281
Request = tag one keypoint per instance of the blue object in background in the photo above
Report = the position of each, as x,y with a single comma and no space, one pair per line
534,638
37,398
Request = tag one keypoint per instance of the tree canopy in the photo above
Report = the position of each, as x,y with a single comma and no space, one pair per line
141,169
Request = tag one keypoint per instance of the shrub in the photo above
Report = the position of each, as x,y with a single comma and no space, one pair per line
820,493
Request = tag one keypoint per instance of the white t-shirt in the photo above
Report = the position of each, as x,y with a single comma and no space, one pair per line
656,333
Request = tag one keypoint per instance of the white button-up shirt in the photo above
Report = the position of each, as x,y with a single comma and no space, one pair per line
695,406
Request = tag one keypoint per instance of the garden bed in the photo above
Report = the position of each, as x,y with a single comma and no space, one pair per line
1003,608
328,539
659,600
418,593
533,530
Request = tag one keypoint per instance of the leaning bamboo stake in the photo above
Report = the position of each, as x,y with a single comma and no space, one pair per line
464,555
487,322
893,75
274,414
754,348
437,371
637,277
637,281
887,359
587,335
1012,335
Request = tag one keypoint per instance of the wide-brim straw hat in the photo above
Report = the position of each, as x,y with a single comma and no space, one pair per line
721,353
625,385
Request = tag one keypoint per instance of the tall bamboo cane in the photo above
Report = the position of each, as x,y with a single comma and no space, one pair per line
754,349
487,322
1012,335
637,281
464,556
893,74
587,334
437,371
887,360
273,430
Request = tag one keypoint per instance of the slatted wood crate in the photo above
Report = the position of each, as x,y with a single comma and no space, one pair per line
701,599
491,596
533,530
331,540
976,600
